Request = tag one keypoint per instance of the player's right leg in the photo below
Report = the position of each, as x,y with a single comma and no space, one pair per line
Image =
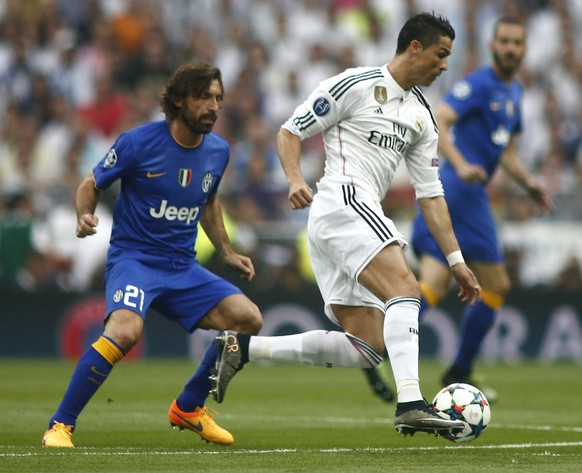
91,371
123,328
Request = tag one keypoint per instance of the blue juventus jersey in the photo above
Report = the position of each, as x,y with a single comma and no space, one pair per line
489,113
164,187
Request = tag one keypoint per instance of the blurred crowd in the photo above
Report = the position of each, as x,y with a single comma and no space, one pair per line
74,74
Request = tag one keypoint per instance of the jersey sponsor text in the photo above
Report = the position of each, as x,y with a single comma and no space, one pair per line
187,214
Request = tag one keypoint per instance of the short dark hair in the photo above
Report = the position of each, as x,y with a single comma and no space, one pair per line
507,20
426,28
193,79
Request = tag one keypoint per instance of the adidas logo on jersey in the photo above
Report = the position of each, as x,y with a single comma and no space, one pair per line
379,110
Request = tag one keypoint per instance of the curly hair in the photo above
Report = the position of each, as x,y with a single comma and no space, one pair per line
191,79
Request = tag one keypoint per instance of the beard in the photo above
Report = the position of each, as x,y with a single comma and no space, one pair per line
196,124
508,64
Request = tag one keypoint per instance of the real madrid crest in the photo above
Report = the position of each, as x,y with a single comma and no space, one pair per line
380,94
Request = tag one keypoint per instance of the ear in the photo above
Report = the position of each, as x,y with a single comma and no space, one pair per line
415,47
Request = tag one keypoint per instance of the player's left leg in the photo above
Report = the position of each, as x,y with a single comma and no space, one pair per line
314,348
188,410
226,307
389,277
434,283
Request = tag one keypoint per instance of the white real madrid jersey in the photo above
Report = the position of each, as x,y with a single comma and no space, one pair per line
369,124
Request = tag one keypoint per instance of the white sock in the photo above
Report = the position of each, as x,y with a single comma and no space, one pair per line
318,347
401,338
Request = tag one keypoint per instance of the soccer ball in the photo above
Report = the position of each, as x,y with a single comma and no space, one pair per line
461,401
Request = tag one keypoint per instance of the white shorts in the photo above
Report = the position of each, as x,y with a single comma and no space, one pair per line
345,231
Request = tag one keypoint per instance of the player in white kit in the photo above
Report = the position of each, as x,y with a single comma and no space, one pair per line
371,119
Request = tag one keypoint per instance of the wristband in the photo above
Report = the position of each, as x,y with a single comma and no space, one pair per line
455,257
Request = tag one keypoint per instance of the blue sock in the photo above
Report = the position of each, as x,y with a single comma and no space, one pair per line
423,307
91,371
198,386
475,323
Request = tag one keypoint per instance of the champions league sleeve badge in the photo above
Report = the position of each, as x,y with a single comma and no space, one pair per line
321,106
111,159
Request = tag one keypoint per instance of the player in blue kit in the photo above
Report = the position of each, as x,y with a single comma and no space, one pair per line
477,122
170,171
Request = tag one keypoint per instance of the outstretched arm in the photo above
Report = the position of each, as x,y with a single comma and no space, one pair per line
213,224
436,214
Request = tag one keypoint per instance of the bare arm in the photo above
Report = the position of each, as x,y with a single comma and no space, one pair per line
212,222
513,166
436,214
85,202
289,146
446,117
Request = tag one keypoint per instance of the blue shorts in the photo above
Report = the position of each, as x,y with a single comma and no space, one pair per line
473,224
181,292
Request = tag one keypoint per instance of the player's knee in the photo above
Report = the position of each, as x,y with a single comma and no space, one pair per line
408,287
414,290
250,320
125,340
505,287
124,328
500,287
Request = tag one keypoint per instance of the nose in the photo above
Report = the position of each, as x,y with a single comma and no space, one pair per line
214,104
445,64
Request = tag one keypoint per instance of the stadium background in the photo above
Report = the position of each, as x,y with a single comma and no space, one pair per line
74,74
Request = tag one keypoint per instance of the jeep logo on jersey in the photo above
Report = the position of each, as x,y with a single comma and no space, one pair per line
111,159
169,212
321,106
184,177
206,182
380,94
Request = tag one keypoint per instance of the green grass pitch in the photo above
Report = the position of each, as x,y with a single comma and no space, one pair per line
285,418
